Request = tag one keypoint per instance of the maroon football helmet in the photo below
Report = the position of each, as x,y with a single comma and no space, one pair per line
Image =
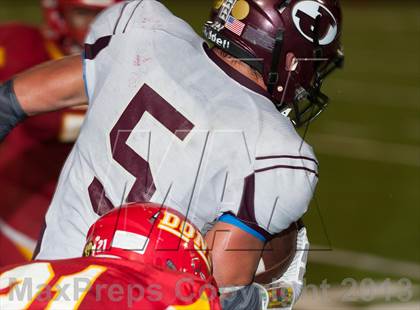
293,44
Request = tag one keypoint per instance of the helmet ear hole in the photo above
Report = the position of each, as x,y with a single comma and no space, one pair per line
170,264
291,62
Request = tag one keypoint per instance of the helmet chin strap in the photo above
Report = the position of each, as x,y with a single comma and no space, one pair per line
273,75
314,92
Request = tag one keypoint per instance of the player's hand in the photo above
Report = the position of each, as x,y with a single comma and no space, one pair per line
284,292
280,295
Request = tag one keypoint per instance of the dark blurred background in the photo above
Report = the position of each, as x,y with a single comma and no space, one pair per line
365,221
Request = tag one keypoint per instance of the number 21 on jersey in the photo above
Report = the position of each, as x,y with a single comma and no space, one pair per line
25,285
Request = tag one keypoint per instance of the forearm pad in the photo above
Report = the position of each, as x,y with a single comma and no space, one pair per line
11,112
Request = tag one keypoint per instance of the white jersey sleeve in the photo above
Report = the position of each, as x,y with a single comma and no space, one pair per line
278,188
285,176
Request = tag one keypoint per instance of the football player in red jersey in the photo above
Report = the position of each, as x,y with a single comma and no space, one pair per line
31,157
139,256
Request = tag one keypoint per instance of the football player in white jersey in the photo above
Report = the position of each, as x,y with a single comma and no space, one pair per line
209,131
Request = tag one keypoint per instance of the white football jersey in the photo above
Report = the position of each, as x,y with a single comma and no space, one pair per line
170,122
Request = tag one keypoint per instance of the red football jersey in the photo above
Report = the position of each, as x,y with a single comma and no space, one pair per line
32,155
108,283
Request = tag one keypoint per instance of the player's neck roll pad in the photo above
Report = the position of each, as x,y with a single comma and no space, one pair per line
11,112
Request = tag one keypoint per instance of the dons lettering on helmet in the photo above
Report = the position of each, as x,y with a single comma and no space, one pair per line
306,14
182,229
185,231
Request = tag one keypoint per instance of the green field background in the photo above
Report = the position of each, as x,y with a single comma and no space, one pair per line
368,142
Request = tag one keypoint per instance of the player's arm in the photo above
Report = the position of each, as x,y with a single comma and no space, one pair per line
281,189
51,86
48,87
236,248
236,251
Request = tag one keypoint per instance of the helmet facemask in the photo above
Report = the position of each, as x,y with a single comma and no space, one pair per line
308,102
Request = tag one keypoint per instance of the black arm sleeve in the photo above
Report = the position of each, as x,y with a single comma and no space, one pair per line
247,298
11,112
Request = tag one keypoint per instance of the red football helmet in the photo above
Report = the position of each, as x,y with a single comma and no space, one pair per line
294,44
66,20
151,234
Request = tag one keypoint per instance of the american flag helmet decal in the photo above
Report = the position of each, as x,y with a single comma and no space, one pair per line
235,25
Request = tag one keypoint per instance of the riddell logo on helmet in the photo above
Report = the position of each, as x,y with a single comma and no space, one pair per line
213,37
305,15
